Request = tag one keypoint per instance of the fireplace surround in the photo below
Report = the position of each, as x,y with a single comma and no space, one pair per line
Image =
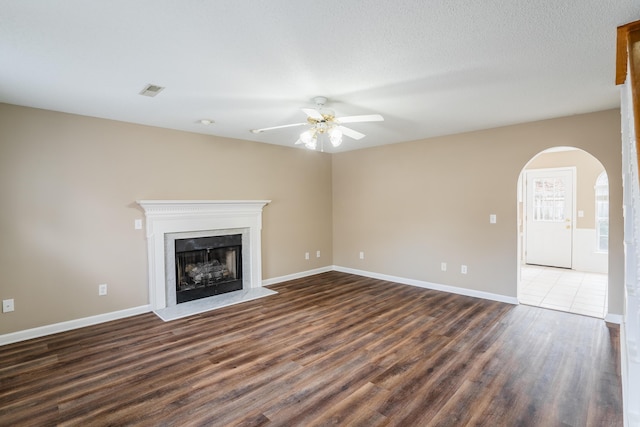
171,220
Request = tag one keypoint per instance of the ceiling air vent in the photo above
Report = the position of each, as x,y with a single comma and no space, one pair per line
151,90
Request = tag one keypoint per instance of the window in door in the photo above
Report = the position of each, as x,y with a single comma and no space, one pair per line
602,212
548,199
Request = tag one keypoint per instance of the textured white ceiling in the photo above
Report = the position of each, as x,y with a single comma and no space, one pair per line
429,67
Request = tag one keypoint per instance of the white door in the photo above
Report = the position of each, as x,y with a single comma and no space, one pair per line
549,217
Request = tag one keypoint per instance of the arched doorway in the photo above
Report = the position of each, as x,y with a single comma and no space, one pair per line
563,232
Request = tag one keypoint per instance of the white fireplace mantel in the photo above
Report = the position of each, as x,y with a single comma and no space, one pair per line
177,216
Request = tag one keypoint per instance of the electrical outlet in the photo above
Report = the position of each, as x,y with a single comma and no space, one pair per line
306,255
493,219
463,269
137,224
443,266
317,254
102,289
7,305
361,255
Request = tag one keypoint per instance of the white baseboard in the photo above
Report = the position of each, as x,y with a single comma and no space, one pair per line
274,280
55,328
93,320
429,285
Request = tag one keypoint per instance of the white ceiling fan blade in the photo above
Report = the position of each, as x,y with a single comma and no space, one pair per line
313,113
278,127
363,118
351,133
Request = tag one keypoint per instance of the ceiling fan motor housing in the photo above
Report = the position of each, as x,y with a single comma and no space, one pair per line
320,101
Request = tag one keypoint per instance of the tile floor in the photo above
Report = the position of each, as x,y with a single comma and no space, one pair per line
564,290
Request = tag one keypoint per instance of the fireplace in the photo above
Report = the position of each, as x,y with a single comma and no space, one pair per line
207,266
203,254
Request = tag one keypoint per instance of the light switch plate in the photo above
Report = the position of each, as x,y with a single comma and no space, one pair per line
493,219
7,305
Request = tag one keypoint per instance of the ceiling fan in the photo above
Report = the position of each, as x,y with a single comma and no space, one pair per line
322,121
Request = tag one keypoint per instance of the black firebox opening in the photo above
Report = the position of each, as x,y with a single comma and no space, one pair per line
207,266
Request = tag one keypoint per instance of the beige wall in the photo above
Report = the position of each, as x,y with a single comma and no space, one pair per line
413,205
588,168
68,186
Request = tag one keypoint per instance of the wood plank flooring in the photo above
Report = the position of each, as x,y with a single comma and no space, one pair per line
331,349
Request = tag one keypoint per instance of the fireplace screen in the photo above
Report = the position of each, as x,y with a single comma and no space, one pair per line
207,266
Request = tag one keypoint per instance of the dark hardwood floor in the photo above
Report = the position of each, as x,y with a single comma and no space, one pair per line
332,349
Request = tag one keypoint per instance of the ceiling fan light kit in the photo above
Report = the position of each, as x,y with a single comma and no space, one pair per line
335,136
309,138
323,121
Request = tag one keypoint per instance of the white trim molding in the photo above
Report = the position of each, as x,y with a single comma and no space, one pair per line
286,278
93,320
614,318
429,285
55,328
